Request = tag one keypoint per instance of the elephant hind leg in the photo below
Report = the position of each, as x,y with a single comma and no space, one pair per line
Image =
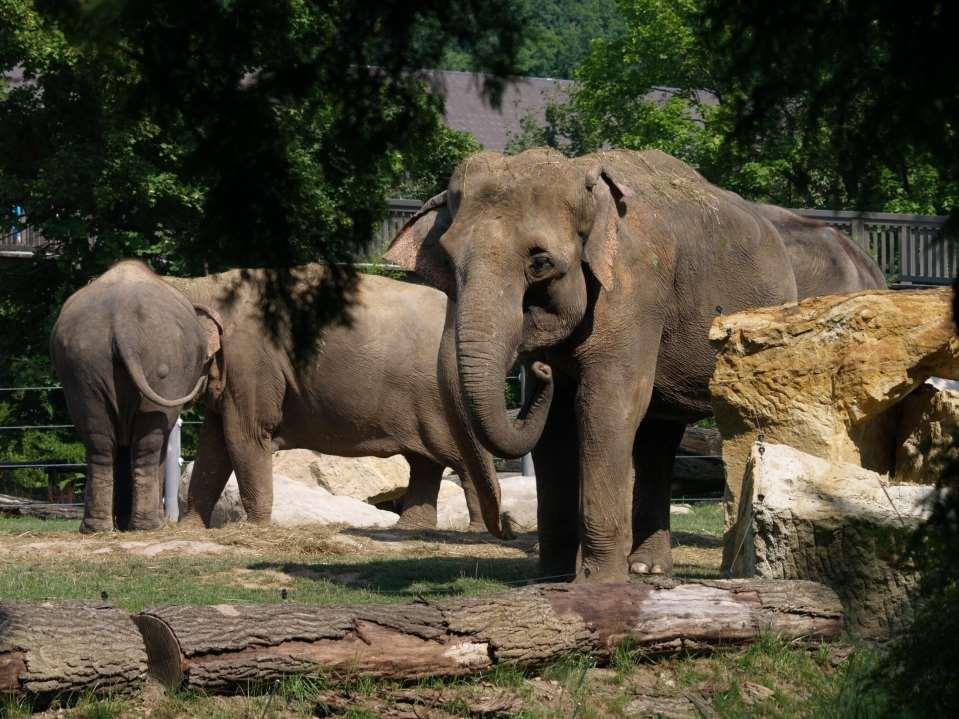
150,432
102,458
419,504
653,453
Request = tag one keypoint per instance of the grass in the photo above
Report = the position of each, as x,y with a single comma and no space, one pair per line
792,681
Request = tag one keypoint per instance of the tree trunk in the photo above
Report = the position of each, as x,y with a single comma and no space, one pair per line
69,647
226,647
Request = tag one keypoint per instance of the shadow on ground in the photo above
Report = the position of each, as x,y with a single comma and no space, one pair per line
405,578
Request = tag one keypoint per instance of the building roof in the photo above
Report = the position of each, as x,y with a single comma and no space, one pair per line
468,110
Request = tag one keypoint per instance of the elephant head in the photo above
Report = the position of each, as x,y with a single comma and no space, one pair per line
521,243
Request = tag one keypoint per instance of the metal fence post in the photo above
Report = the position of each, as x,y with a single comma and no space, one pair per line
527,462
171,475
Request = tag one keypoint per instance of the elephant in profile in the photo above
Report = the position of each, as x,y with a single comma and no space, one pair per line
380,383
129,351
606,271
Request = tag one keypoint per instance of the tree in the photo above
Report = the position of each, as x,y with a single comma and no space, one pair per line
203,136
558,36
663,85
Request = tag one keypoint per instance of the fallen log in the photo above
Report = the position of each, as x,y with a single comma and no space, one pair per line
20,507
67,648
227,647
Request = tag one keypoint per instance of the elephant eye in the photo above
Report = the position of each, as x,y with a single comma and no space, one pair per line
540,264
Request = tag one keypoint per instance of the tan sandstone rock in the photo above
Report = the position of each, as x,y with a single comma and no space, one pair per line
370,479
826,376
835,523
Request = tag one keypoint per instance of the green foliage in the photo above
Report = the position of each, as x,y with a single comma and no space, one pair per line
663,85
204,136
558,36
424,172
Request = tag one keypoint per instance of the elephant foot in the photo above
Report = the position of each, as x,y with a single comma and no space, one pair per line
145,525
653,556
192,520
477,526
417,517
95,526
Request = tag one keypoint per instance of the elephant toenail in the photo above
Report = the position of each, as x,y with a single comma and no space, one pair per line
639,568
657,569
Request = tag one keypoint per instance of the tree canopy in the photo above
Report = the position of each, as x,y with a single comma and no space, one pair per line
206,135
696,79
558,36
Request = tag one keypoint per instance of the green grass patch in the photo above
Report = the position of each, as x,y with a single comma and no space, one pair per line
20,525
705,518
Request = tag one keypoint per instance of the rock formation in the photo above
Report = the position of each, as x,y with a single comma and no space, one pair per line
827,376
835,523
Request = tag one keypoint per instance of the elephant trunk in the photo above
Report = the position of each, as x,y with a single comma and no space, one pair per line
485,351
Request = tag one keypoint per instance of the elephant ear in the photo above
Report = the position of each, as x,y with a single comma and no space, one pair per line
416,246
602,243
213,326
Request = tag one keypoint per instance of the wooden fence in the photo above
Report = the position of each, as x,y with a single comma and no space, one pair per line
910,249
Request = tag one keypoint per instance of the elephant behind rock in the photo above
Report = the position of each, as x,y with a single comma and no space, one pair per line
380,383
606,271
129,351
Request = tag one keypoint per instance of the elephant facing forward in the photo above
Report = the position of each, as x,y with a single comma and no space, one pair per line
380,384
129,351
608,268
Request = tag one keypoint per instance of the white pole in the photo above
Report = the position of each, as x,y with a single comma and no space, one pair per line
171,475
527,461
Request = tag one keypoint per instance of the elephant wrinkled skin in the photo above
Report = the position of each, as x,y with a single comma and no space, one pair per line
378,384
129,351
607,271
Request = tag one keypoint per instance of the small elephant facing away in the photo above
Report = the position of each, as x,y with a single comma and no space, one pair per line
378,384
129,351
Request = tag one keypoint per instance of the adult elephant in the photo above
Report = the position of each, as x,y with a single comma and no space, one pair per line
381,383
607,270
129,351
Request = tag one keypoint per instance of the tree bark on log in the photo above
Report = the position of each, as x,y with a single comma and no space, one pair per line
69,647
226,647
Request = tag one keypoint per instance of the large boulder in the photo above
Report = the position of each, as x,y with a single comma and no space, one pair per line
371,479
826,376
517,499
835,523
294,503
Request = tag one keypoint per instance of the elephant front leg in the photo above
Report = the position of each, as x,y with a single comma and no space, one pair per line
610,404
653,455
556,460
419,503
211,471
252,459
474,508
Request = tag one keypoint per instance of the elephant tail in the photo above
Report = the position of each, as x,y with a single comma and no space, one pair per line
132,362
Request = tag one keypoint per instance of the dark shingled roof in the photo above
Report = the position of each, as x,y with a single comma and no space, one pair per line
467,110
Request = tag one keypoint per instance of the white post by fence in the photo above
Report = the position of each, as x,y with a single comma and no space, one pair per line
171,474
527,462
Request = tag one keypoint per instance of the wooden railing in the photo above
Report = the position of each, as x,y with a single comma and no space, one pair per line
23,241
910,249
